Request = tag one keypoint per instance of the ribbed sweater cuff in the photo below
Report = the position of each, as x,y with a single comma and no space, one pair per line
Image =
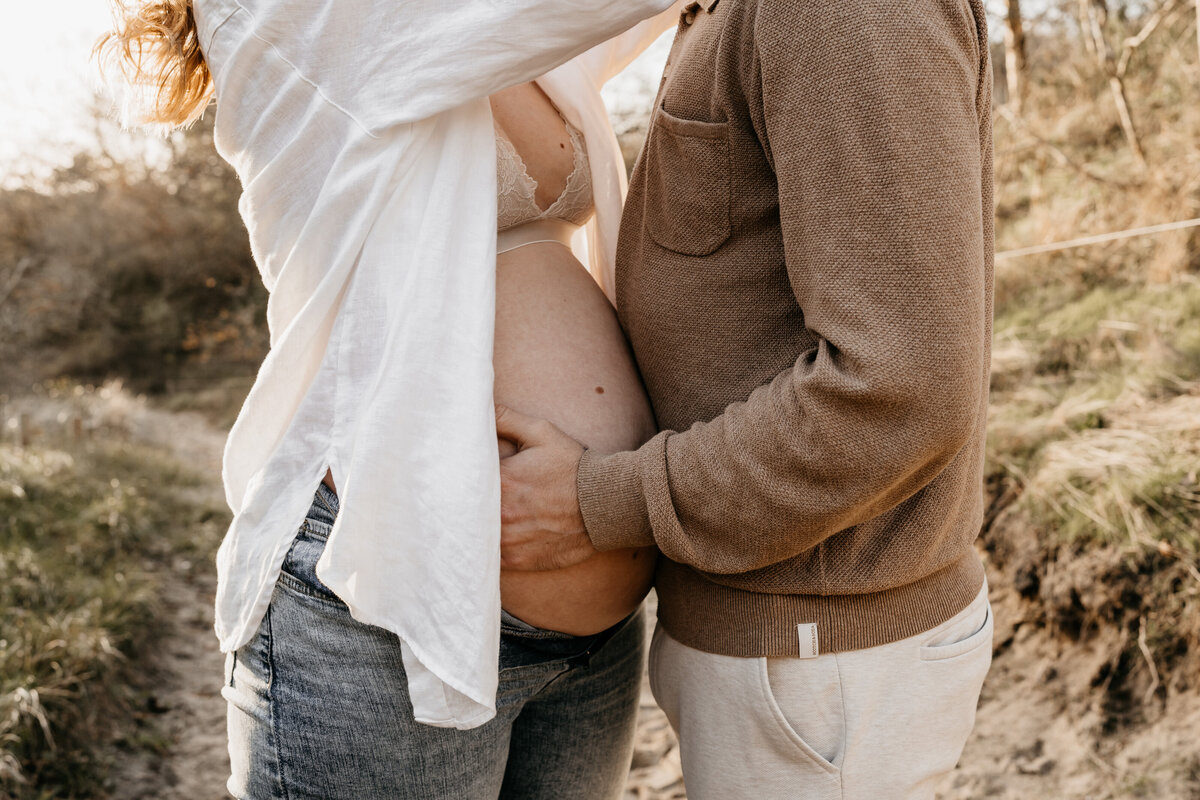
612,501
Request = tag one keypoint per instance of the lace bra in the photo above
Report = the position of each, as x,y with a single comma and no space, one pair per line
519,219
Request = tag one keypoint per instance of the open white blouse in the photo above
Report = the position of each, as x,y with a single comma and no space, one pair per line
364,141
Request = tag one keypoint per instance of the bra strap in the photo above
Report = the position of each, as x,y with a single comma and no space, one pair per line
535,231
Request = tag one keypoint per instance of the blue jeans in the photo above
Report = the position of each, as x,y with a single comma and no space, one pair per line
319,706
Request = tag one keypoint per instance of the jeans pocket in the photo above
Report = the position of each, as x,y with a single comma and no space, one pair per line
804,695
300,565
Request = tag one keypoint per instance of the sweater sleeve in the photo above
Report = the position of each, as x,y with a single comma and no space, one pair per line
871,114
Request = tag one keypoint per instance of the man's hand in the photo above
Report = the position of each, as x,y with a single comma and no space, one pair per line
541,525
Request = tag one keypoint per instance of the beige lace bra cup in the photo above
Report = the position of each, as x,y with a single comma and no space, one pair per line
517,205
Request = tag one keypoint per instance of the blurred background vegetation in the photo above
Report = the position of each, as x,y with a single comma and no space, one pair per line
132,269
132,322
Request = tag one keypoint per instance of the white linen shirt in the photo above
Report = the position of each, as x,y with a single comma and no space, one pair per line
363,139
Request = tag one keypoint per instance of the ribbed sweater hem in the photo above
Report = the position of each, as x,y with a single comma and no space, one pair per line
720,619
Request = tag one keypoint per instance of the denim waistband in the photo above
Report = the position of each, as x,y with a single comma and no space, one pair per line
516,623
324,511
520,647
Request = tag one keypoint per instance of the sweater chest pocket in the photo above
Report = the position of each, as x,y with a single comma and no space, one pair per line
687,184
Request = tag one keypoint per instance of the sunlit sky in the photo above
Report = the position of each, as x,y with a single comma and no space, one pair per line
44,72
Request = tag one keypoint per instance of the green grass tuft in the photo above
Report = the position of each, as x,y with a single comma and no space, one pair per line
84,538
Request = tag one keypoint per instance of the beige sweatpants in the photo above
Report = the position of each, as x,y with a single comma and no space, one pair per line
875,724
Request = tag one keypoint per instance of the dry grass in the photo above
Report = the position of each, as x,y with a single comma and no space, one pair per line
1094,434
1132,482
86,535
1095,418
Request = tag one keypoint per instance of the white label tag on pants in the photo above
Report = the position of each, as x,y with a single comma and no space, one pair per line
807,634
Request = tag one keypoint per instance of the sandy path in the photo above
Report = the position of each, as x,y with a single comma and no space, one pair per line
191,762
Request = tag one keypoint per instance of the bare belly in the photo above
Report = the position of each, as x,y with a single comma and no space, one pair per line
561,355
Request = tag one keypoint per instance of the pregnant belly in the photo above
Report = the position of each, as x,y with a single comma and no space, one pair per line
561,355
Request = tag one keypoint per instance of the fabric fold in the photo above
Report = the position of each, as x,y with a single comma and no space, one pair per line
363,137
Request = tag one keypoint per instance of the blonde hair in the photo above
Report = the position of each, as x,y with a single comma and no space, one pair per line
156,48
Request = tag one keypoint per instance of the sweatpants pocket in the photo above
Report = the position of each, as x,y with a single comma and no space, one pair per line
805,697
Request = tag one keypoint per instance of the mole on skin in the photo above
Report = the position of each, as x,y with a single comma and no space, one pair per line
599,390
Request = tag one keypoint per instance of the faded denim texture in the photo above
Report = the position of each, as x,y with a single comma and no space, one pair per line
319,705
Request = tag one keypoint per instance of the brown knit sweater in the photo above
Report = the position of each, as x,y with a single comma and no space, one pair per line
805,275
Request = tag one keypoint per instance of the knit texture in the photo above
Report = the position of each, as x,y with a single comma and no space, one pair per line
805,276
